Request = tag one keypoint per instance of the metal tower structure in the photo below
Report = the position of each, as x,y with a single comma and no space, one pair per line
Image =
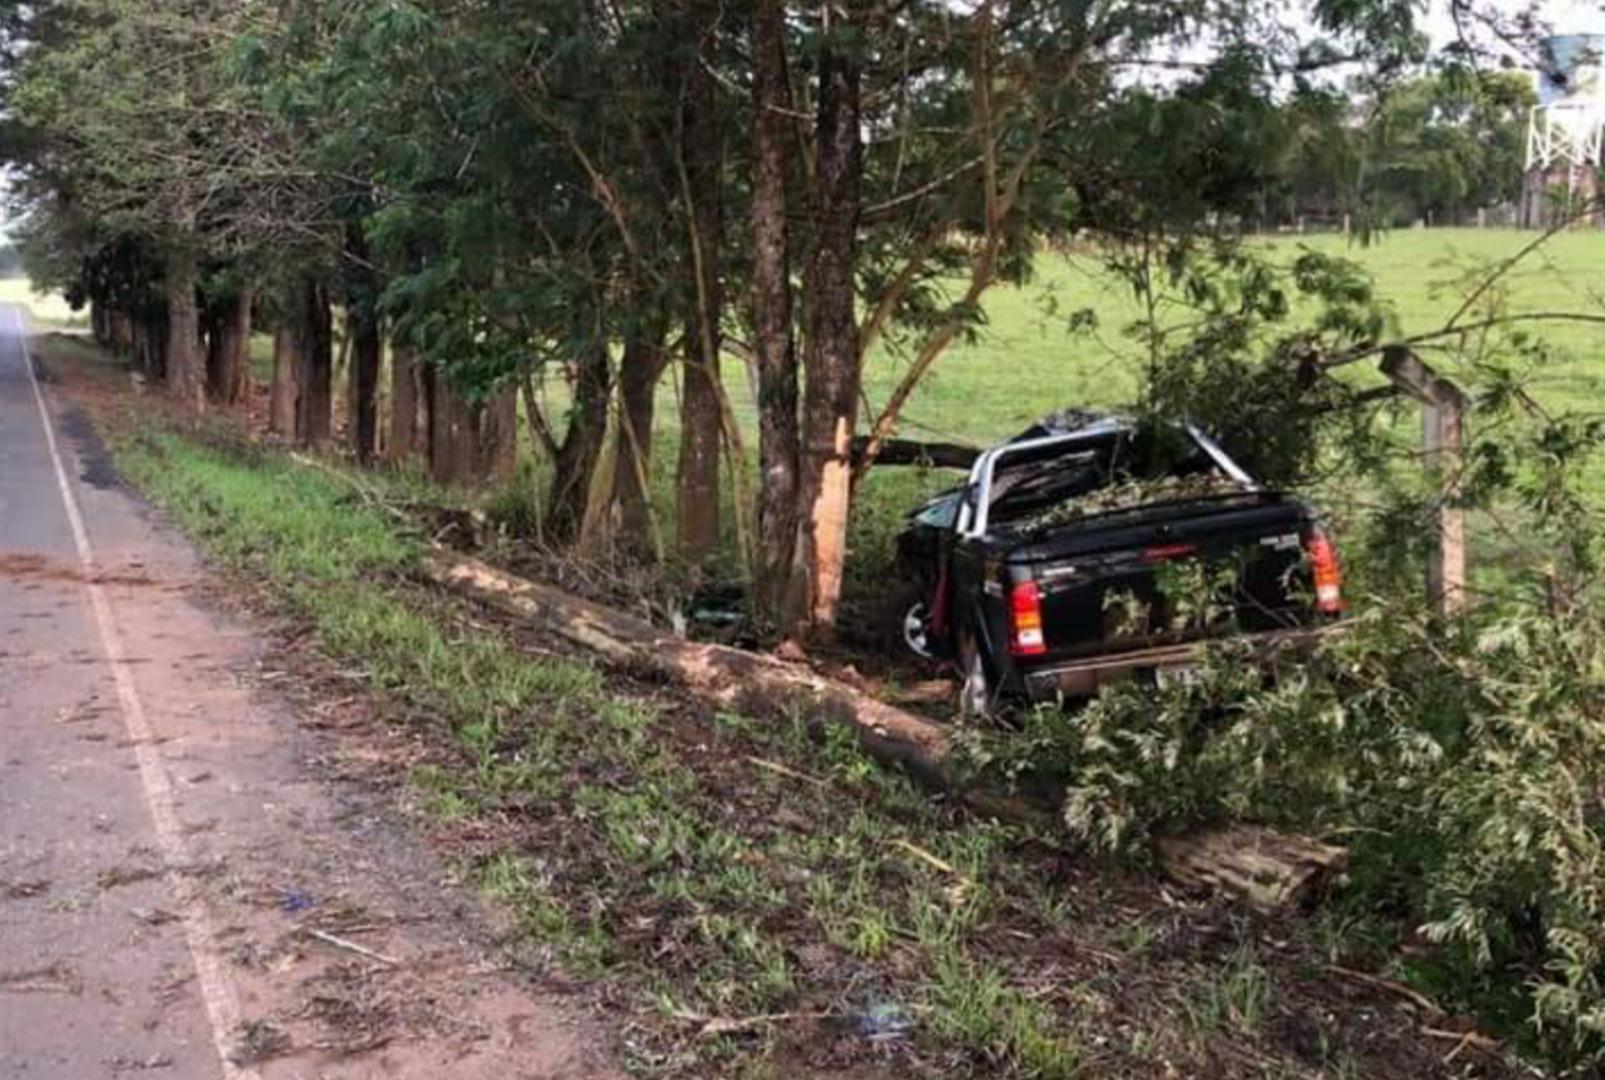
1564,134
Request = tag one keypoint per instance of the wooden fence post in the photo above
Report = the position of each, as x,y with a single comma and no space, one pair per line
1443,458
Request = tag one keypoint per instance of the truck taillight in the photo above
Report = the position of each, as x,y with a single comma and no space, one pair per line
1025,614
1328,573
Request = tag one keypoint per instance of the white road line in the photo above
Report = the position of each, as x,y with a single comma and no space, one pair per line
222,1008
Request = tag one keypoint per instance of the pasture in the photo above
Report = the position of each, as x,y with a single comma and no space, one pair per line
1027,361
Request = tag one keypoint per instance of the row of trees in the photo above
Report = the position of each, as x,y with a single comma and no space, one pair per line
609,195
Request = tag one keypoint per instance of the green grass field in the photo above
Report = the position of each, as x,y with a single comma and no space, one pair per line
1027,361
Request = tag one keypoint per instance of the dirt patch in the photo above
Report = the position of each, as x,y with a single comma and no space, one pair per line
28,566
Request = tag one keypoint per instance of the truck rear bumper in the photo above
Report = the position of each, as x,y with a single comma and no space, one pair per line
1083,678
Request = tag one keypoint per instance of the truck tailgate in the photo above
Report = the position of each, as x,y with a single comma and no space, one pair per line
1138,580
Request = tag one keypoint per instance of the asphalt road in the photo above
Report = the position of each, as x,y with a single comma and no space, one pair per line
171,843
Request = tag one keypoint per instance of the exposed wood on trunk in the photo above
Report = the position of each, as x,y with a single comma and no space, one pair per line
701,160
284,399
314,349
1268,870
771,298
639,371
408,425
910,452
830,401
185,377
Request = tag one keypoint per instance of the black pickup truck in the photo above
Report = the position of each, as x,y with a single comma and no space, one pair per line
1091,548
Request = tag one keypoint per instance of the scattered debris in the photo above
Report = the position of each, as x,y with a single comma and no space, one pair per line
259,1041
153,916
716,1026
882,1021
55,978
24,890
127,875
297,900
351,946
1420,1001
1267,869
782,770
120,1064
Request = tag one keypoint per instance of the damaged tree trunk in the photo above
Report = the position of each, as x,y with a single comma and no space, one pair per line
582,443
1268,870
830,399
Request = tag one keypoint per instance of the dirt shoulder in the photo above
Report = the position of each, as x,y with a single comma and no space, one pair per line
726,897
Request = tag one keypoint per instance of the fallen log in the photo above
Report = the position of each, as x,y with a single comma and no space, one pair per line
1269,870
735,679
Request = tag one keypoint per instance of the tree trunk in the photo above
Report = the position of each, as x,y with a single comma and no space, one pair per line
367,353
582,443
314,353
285,395
150,345
449,462
183,368
408,426
639,372
468,442
701,416
771,297
830,401
498,436
367,346
228,350
99,323
122,332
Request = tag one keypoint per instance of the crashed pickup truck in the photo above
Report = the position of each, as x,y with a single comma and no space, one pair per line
1091,548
